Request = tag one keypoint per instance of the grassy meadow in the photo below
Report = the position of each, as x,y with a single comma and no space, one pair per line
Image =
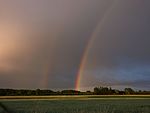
76,104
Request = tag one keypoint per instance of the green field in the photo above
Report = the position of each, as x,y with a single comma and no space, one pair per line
78,104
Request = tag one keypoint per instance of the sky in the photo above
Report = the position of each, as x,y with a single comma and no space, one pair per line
44,42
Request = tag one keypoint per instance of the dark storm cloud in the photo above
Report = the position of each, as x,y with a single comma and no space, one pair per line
125,34
122,43
54,34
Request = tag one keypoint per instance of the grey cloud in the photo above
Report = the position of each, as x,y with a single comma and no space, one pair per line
55,34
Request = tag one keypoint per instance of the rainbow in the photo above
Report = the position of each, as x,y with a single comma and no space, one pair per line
91,41
45,75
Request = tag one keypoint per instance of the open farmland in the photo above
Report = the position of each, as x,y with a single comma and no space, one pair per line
78,104
82,97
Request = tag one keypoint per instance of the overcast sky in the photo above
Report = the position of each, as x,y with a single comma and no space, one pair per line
42,43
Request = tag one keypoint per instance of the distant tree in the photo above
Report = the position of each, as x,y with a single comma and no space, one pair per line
37,92
96,90
88,93
103,91
70,92
129,91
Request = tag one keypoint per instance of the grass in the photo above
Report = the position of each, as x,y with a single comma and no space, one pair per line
78,97
79,104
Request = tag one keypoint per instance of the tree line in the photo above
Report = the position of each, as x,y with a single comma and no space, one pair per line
97,91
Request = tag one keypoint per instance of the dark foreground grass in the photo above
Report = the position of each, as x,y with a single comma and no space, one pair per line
78,106
77,97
